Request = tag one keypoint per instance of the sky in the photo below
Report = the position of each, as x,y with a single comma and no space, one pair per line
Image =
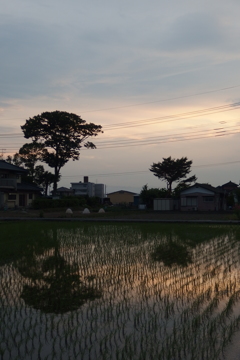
162,78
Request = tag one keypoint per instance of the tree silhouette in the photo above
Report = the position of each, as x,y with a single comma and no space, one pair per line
55,286
61,134
173,170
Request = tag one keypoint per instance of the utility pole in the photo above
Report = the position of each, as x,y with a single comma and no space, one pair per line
2,153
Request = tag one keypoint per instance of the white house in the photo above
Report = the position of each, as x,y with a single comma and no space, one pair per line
88,188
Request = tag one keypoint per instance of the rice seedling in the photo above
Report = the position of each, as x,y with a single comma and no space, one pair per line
118,291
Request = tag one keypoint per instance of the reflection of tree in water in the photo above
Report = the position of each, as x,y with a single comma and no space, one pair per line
172,252
162,312
175,249
55,285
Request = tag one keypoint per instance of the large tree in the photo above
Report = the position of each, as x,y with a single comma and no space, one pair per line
173,170
61,134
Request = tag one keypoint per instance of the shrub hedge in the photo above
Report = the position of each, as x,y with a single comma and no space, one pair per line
45,203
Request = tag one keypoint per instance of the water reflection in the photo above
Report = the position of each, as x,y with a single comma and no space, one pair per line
54,285
172,252
164,309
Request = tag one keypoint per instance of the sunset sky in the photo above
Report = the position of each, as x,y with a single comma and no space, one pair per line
161,77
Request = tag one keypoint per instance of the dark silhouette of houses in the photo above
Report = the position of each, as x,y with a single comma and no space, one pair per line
14,192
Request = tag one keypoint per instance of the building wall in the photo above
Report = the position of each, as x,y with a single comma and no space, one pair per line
200,201
21,199
88,188
99,191
81,188
121,197
10,195
163,204
1,199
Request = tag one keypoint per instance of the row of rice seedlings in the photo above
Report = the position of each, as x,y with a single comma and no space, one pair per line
136,311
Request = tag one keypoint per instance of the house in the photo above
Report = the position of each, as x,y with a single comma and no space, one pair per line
13,192
121,196
203,197
229,187
230,191
63,191
88,188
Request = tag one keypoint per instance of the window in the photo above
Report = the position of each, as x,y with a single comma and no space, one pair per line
30,196
12,196
208,198
191,201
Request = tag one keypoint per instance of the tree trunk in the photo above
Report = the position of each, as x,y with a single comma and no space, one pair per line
55,181
46,188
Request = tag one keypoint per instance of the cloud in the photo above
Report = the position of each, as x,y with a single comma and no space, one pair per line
30,60
109,51
195,31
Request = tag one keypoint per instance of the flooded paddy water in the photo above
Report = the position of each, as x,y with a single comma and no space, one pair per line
119,291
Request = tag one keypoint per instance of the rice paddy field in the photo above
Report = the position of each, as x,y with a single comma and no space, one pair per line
119,291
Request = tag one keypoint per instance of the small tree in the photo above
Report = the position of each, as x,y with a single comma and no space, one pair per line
29,155
14,160
44,178
148,195
173,170
61,134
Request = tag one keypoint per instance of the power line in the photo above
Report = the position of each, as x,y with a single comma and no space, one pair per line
162,137
147,142
148,171
153,102
122,140
175,137
167,138
163,100
168,118
175,117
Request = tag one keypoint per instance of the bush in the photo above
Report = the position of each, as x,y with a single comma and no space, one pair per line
237,212
44,203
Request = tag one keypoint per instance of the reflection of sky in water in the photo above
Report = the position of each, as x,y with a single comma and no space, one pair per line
146,308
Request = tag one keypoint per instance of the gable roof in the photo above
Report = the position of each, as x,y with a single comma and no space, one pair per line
122,192
206,187
63,189
230,184
4,165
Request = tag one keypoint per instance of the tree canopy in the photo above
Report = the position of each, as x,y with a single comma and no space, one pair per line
28,157
61,135
173,170
148,195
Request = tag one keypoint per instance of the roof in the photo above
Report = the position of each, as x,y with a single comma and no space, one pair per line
28,187
10,167
230,184
122,192
206,187
63,189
